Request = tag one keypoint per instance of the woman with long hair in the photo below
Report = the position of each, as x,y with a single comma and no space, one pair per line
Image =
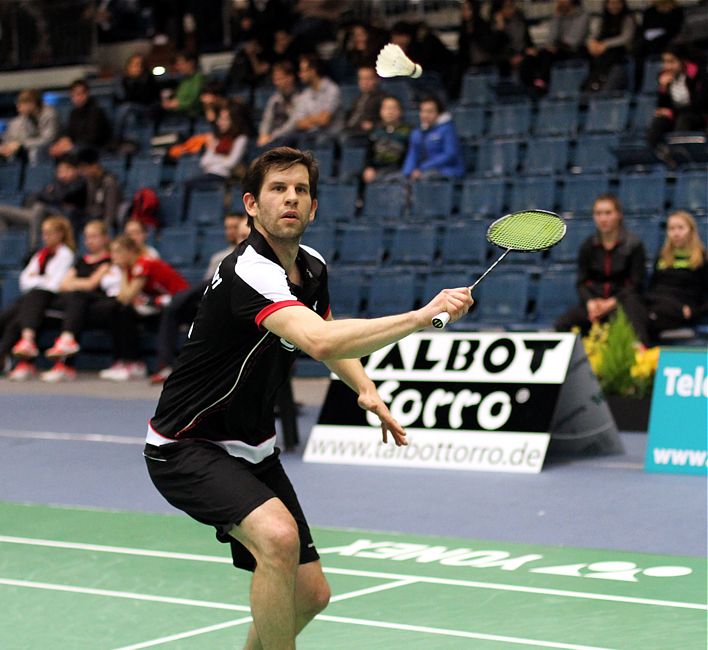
678,289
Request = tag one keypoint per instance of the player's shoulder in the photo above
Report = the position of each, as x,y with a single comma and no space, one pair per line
314,258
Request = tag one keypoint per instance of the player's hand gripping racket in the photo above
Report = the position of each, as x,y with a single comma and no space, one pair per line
528,230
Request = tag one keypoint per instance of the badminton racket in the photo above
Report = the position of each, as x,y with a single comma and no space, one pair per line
528,230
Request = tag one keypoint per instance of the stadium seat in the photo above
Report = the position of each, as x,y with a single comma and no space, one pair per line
652,67
607,115
116,166
9,287
477,88
556,294
336,202
400,88
413,244
143,172
578,193
497,158
171,208
345,290
642,113
391,292
546,156
261,95
595,153
351,162
361,245
510,120
557,117
503,297
482,197
384,201
14,245
187,167
566,79
210,241
566,250
37,176
533,192
10,174
322,239
178,245
463,242
691,192
324,154
206,207
431,199
650,230
642,193
469,121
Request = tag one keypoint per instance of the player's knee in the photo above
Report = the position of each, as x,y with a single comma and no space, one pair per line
282,544
319,598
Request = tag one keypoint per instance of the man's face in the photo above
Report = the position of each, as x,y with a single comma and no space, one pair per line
284,208
390,111
26,108
66,173
368,81
79,96
236,229
428,113
606,216
284,82
94,238
306,73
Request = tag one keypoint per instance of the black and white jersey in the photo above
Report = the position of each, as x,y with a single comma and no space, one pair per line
225,381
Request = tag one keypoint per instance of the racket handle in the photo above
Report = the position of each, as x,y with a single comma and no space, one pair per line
442,319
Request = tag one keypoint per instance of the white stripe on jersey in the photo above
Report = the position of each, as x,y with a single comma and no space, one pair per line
264,276
314,253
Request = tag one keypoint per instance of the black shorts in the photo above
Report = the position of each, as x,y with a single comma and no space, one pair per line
219,490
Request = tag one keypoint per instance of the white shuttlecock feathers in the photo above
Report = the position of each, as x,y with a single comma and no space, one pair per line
392,62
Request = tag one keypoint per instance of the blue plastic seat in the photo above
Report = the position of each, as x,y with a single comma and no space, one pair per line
482,197
10,174
578,193
9,288
37,176
556,294
607,115
361,245
546,155
391,292
463,242
503,297
567,78
533,192
116,166
643,113
324,154
431,199
351,162
510,120
596,153
384,201
642,193
322,239
566,250
143,172
206,206
497,158
469,121
413,244
14,245
187,167
477,88
171,208
336,202
557,117
691,192
345,291
178,245
211,240
652,67
650,230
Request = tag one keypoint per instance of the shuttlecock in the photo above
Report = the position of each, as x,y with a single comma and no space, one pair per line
392,62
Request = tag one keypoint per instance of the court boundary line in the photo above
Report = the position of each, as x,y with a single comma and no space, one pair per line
355,572
186,635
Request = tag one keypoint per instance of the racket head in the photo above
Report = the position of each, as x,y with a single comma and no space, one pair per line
527,230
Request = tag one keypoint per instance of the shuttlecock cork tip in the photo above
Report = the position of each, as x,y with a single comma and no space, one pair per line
417,71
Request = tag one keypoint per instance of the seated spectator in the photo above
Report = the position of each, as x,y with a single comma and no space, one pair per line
250,65
608,46
475,43
39,283
279,106
65,195
317,110
29,135
285,47
660,24
137,93
84,298
510,36
678,288
183,306
88,125
610,272
212,102
433,148
682,100
138,232
225,148
364,113
362,46
185,99
146,285
388,142
102,189
568,31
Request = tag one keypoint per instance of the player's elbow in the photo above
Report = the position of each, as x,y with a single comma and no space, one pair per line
321,350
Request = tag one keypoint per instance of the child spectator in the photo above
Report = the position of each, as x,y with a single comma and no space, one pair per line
30,133
363,114
137,231
388,142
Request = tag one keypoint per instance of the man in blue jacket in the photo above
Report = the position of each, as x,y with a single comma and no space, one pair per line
433,149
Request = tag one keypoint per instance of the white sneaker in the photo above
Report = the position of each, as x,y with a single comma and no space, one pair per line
137,370
60,372
23,371
117,372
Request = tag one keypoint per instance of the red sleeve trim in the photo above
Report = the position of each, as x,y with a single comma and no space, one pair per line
328,312
273,307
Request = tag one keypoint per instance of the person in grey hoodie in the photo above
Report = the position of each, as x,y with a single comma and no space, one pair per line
434,148
32,131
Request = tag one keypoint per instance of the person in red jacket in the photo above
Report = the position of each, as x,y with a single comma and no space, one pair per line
146,285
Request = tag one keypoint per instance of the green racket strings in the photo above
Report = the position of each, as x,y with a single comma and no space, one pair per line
530,230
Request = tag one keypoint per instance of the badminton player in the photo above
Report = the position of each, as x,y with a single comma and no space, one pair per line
211,444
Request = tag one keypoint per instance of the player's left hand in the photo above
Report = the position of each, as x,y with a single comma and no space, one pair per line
371,401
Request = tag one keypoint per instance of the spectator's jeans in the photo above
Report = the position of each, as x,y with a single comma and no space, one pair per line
30,217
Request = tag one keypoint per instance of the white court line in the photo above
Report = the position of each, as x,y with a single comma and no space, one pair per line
324,618
186,635
75,437
372,590
366,574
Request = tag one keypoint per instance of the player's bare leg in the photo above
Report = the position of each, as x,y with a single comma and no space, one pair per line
311,597
270,534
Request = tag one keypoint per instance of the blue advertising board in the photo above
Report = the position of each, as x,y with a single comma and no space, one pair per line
678,421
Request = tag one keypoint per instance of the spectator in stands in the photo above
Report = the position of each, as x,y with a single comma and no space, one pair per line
363,45
225,148
388,142
678,289
610,272
475,44
279,107
183,306
138,232
146,286
39,282
250,65
568,32
434,148
88,125
661,23
212,102
682,100
317,110
137,93
65,195
510,36
29,135
185,99
285,47
608,46
102,189
364,113
85,299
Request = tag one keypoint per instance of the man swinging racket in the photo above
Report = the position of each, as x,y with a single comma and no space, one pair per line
211,445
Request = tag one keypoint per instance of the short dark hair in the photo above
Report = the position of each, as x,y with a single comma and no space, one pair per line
280,158
285,66
314,62
612,198
87,156
79,83
434,99
67,159
188,56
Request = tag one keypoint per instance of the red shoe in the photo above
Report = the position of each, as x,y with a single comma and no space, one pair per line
60,372
62,347
25,349
23,371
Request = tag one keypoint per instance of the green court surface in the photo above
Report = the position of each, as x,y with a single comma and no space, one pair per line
101,580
